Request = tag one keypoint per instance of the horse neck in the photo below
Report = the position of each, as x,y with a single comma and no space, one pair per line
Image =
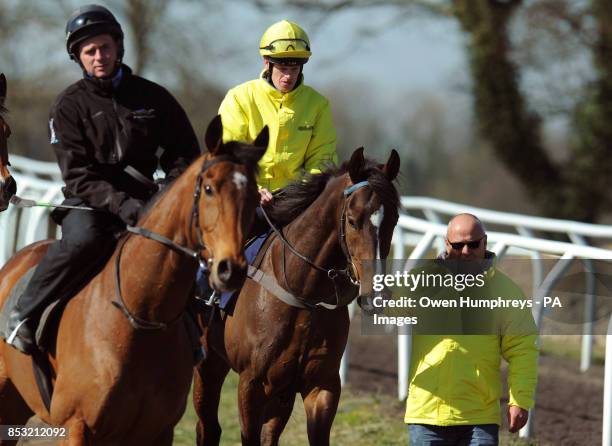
157,280
318,242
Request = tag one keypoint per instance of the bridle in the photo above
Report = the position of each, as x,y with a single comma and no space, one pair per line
349,271
196,254
5,132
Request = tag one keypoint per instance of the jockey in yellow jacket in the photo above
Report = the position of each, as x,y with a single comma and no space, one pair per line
302,134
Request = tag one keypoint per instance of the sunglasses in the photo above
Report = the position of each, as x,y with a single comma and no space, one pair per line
458,246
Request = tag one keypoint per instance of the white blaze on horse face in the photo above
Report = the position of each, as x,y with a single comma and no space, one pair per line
240,180
376,218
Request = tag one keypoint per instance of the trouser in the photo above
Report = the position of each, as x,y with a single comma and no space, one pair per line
471,435
260,224
86,245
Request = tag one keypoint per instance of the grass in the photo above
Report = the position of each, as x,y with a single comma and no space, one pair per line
569,346
361,420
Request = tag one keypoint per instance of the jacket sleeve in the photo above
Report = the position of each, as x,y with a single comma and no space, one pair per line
519,349
75,156
178,139
234,118
322,147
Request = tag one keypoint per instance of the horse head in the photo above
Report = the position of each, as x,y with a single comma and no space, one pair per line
8,187
369,214
227,177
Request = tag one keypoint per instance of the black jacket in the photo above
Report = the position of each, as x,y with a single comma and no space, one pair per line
97,130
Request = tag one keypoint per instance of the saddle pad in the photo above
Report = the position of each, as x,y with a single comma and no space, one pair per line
10,303
45,324
227,300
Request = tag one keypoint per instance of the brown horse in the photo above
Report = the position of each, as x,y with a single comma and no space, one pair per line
8,186
331,224
123,359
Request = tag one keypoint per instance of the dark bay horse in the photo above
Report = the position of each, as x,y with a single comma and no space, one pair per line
8,186
123,359
335,220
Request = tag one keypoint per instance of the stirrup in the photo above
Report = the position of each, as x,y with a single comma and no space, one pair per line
11,338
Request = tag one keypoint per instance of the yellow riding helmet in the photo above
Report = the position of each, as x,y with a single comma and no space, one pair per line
285,40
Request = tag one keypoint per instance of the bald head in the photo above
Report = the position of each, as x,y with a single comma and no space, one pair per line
462,235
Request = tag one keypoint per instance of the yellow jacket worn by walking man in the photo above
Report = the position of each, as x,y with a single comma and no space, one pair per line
455,378
302,134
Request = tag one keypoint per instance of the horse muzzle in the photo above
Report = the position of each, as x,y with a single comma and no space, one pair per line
8,188
228,275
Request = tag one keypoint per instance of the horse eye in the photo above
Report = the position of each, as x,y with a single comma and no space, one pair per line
208,190
352,223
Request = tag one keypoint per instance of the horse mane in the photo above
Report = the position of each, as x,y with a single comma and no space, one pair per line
300,194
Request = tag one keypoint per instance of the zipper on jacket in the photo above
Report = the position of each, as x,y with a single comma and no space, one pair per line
118,147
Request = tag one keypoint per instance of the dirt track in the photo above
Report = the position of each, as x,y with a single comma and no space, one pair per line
569,404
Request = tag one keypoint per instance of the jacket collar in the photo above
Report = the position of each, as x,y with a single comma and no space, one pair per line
108,86
276,94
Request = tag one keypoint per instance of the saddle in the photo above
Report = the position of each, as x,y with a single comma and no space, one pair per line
47,327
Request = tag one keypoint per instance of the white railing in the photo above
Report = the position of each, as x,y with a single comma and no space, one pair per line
36,180
414,237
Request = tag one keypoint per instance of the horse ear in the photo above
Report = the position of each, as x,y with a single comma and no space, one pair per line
391,169
214,135
263,138
2,88
355,165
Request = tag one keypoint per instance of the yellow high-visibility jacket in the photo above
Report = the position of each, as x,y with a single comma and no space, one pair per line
456,380
302,134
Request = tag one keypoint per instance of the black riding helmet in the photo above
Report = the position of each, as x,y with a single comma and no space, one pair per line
90,21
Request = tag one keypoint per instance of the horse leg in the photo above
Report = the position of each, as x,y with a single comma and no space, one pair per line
207,383
321,403
251,400
13,408
276,416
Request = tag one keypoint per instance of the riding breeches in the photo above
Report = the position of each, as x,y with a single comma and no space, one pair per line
87,243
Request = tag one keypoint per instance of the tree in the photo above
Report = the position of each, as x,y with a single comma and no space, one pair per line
575,188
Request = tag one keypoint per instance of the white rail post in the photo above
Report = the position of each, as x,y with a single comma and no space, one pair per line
586,352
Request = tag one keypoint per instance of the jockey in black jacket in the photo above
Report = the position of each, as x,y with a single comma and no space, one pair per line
109,130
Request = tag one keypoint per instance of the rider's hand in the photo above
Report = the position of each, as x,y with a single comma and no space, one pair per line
130,211
265,196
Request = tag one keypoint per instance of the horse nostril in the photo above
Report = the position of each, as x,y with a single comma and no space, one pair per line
224,270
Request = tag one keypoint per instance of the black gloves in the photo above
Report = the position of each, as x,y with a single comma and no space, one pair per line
130,211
